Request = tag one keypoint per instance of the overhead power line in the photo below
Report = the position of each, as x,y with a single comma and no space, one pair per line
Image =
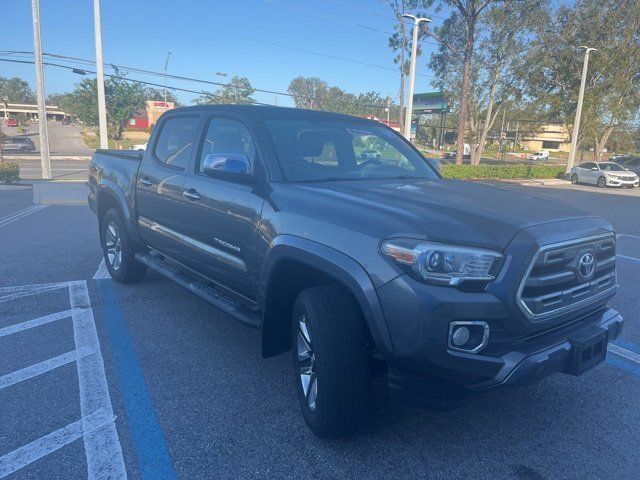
269,42
82,70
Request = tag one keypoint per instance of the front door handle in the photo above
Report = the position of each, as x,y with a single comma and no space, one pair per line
192,194
146,182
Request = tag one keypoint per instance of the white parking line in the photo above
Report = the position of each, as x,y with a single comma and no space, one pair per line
102,273
42,367
626,257
6,220
619,235
23,456
36,322
11,293
102,447
623,352
97,423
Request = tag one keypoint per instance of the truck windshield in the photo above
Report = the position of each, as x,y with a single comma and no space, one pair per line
324,150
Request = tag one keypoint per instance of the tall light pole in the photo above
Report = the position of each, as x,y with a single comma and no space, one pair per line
42,107
412,72
166,64
102,105
576,122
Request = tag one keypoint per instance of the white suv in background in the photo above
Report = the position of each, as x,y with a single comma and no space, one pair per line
541,155
604,174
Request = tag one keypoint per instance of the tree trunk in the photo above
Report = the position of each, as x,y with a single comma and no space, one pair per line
402,52
464,94
488,121
602,141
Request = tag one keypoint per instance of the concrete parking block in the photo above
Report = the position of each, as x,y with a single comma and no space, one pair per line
60,193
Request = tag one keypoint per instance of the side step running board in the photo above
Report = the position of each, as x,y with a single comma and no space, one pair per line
202,289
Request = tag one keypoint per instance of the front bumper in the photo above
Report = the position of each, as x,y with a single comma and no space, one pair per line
617,182
530,361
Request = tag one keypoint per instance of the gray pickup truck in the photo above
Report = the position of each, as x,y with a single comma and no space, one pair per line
362,266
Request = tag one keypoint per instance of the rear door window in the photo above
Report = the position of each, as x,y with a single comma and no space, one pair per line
176,140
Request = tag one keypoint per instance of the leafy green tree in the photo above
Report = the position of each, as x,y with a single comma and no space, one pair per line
123,99
309,92
238,90
554,67
504,34
16,90
314,93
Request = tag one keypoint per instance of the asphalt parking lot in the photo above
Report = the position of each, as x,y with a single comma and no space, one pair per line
102,380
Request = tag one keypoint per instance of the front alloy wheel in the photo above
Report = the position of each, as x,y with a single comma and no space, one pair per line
602,182
113,245
307,364
330,360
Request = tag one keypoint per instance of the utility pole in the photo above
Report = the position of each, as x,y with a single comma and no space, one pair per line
576,122
42,107
102,105
166,64
412,72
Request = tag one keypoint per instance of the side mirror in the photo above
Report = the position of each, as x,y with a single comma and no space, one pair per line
237,163
594,169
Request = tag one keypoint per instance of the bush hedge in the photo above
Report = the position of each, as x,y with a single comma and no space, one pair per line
508,172
9,172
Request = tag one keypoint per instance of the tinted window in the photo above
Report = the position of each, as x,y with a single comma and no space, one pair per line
610,167
320,149
225,135
587,165
176,140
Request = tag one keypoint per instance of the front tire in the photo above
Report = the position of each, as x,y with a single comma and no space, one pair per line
331,364
602,182
119,250
574,179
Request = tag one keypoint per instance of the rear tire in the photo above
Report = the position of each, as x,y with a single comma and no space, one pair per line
119,250
331,363
574,179
602,182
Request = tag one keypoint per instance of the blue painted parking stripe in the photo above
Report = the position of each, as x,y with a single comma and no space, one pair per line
634,347
619,362
149,442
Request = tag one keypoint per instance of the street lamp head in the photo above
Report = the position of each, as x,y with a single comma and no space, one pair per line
588,49
416,20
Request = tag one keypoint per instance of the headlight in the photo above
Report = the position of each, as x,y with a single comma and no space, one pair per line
443,264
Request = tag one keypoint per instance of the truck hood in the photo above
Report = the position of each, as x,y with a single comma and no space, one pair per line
441,210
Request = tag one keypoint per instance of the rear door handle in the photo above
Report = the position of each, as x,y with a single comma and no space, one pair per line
192,194
146,182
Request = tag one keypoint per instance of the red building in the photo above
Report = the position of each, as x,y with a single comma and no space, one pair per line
144,119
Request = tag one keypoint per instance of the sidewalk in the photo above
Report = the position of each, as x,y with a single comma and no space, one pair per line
537,182
59,192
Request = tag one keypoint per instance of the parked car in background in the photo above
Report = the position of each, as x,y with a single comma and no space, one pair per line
542,155
604,174
630,163
140,146
18,144
12,122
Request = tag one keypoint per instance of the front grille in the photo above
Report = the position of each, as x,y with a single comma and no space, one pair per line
559,278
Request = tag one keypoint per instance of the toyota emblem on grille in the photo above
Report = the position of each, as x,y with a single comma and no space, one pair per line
586,266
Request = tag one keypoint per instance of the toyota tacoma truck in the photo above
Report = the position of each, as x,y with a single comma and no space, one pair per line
361,266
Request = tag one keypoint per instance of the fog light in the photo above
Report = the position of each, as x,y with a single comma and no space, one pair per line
469,336
460,336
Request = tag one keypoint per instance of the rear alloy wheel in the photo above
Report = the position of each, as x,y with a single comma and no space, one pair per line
602,182
574,179
119,250
331,363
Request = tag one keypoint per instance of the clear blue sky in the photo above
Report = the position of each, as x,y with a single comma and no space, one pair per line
206,37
